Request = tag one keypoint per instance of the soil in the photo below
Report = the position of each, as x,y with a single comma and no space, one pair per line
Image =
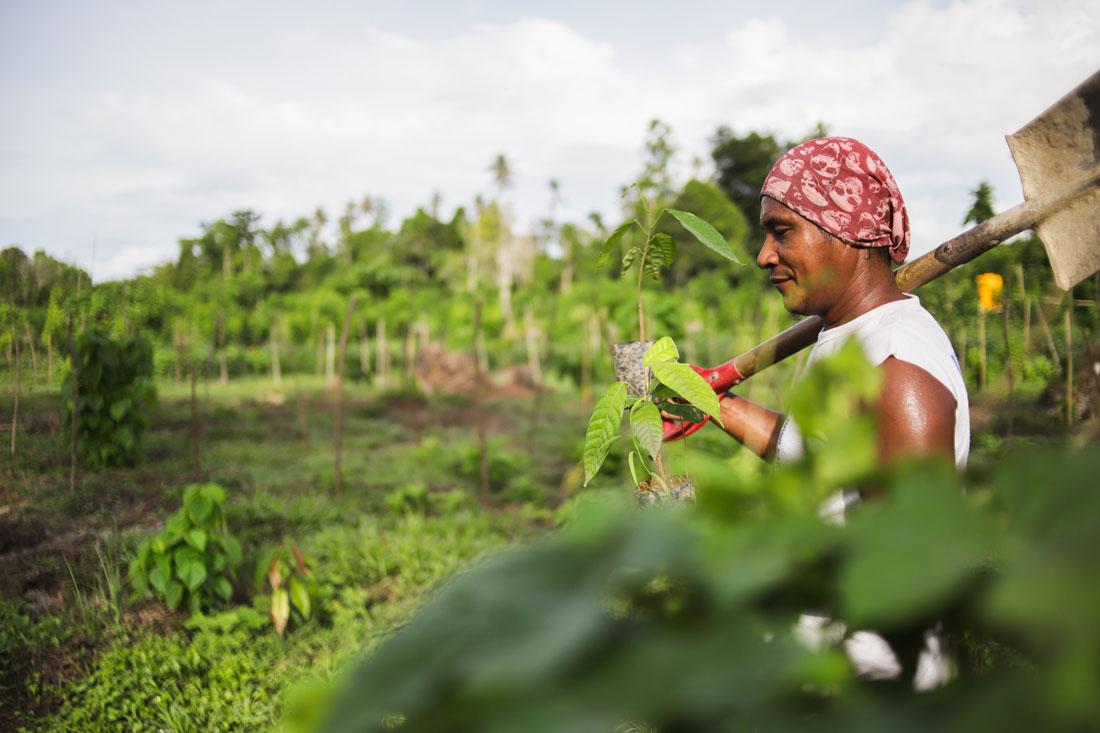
52,665
681,489
439,370
38,546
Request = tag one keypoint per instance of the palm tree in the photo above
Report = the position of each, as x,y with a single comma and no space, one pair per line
502,172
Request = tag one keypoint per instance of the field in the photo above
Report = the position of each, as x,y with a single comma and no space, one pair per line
77,648
80,652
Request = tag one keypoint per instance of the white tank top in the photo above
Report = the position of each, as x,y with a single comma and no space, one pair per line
904,330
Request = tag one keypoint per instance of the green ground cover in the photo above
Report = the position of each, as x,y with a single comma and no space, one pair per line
81,654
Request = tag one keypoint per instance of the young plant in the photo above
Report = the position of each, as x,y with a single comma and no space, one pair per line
191,561
658,249
672,382
295,590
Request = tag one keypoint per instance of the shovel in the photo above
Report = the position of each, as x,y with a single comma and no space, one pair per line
1058,157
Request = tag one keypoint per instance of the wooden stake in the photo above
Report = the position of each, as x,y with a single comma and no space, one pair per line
76,402
338,422
409,356
196,465
981,354
18,360
534,364
302,414
383,367
531,338
479,410
964,345
1027,309
364,349
1008,363
1049,335
176,351
49,358
586,364
276,367
1069,362
34,353
330,354
224,362
1027,327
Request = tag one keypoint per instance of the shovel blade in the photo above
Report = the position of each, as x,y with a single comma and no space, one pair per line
1055,150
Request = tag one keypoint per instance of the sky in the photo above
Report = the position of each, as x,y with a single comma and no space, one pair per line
127,124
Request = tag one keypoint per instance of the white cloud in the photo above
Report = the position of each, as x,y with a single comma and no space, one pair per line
399,115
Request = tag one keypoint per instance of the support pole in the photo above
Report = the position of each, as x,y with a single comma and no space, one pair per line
337,474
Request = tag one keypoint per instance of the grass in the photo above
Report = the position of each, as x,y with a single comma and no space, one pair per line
97,659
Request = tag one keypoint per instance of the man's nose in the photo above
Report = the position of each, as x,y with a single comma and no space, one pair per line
768,256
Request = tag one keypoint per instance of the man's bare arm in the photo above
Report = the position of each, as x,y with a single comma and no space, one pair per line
916,413
755,426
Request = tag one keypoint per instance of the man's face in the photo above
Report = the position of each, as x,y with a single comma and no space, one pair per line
810,269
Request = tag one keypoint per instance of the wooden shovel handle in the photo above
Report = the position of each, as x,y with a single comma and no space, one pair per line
949,255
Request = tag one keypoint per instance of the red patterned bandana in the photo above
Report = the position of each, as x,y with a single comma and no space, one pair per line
841,185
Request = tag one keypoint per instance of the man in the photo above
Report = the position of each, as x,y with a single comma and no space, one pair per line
834,221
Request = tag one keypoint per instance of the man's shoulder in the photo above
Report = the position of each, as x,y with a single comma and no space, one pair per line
906,319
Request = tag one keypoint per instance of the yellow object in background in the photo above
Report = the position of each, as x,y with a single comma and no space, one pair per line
990,289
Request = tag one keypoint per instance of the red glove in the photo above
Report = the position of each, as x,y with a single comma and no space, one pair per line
720,378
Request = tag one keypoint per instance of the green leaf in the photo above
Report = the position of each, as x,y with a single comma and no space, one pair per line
139,579
633,471
158,579
300,597
687,383
176,525
705,233
232,548
664,247
602,428
912,551
628,258
173,594
645,424
119,408
280,609
661,253
689,413
612,241
196,538
184,555
663,349
193,575
144,553
216,493
223,587
198,504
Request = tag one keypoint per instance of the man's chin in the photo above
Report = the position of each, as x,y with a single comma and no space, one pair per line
794,303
